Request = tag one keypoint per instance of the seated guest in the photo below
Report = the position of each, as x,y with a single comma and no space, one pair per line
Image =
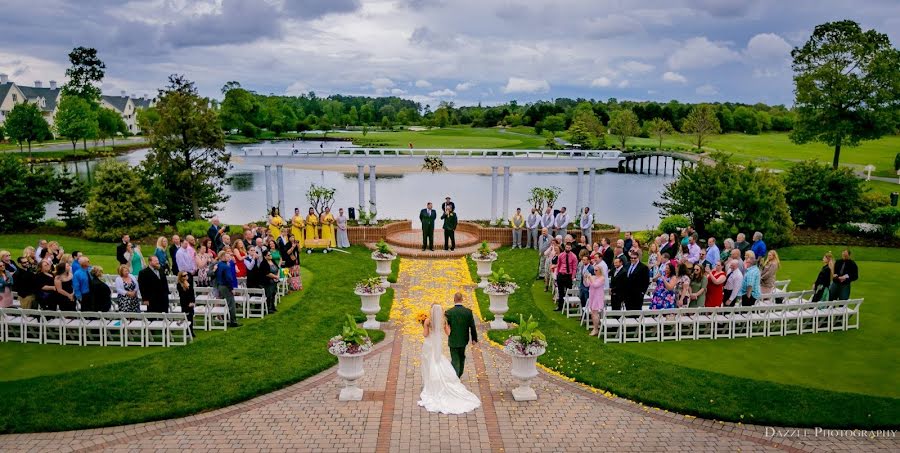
101,294
128,294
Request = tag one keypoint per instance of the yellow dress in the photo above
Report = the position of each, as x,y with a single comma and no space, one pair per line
311,222
297,225
328,228
275,225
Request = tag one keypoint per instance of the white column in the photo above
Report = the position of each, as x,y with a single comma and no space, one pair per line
578,206
493,195
591,187
361,182
279,175
505,196
372,200
268,187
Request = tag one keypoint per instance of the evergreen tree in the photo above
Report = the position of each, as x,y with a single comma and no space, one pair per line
118,204
72,194
25,193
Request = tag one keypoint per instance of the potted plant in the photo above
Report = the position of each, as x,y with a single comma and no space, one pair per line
433,164
524,347
483,257
369,291
350,347
500,286
383,255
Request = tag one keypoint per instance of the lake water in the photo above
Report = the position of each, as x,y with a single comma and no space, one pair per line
623,199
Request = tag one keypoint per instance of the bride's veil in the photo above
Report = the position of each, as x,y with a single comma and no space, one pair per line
437,322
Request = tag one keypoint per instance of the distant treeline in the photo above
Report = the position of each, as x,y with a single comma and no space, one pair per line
248,112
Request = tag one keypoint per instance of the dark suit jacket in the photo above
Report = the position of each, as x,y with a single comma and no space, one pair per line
617,287
215,234
449,221
154,290
173,249
637,285
462,326
427,221
848,267
445,204
608,257
120,253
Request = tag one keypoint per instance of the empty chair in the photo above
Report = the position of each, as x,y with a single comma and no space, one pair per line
13,325
114,328
135,331
179,329
157,329
52,325
571,303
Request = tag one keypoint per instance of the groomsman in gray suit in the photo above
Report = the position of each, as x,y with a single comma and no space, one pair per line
561,223
532,223
587,224
547,221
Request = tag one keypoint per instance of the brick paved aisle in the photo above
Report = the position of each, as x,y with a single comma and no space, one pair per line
308,417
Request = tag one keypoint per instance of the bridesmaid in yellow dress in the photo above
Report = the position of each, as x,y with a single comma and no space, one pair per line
328,227
275,223
297,225
311,222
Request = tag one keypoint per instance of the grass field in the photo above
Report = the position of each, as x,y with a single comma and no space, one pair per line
453,137
840,379
113,386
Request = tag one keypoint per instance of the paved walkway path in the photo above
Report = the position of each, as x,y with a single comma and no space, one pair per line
308,417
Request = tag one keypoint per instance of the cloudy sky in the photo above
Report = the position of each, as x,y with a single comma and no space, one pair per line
465,51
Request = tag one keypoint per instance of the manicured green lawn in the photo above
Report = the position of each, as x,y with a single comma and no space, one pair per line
453,137
100,253
837,379
212,372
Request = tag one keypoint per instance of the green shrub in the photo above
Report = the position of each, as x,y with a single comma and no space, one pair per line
673,223
198,228
645,237
604,226
819,195
888,218
24,192
118,204
897,162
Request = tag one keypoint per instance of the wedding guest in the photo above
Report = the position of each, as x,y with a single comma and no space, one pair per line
627,242
693,250
549,264
733,280
291,262
698,286
653,260
726,252
101,294
664,295
543,243
518,224
586,223
173,252
45,283
122,248
154,287
713,255
327,222
742,245
343,241
683,284
448,204
128,292
24,279
607,252
39,251
65,293
758,247
532,223
136,259
824,279
566,266
297,224
225,284
215,233
582,275
670,246
81,283
638,279
270,274
186,298
240,255
6,286
767,276
618,285
845,273
547,222
736,257
276,254
750,292
185,257
715,285
596,299
202,264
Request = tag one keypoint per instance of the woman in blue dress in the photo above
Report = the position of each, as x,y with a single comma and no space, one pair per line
664,294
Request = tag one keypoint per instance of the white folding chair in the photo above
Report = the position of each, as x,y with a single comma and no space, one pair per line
687,323
179,329
670,324
808,314
113,328
851,312
13,325
571,303
214,314
631,326
781,286
52,325
135,331
740,321
723,322
256,306
240,302
156,327
611,326
92,329
650,326
72,328
705,323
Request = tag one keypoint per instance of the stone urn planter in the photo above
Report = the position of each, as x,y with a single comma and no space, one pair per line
499,287
351,348
484,257
383,267
369,292
524,347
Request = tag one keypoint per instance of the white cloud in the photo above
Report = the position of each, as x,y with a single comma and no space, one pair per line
707,90
701,53
446,92
636,67
382,83
764,73
612,26
463,86
423,84
670,76
521,85
601,82
768,46
624,84
296,89
397,91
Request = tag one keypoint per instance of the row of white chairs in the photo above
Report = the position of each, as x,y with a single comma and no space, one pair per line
94,328
624,326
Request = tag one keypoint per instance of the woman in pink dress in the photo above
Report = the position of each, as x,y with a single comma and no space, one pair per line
596,297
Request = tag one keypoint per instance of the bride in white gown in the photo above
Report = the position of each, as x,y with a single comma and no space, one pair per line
441,389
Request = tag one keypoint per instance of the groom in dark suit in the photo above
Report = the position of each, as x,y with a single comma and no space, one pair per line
427,217
462,330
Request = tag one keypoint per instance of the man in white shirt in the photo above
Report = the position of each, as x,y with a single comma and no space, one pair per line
547,222
561,223
587,224
185,257
733,280
532,223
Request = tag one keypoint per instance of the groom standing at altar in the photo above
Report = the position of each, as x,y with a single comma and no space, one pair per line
427,217
462,331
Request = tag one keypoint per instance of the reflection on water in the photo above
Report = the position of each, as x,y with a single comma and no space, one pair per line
621,199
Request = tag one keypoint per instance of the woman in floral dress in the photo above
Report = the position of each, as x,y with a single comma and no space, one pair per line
128,299
664,295
202,261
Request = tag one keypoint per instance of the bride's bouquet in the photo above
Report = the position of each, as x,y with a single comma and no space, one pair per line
421,316
526,340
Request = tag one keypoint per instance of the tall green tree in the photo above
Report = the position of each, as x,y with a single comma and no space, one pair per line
624,124
187,162
820,195
2,133
110,123
724,199
25,193
846,86
118,203
701,123
659,128
26,124
238,107
85,75
76,120
72,194
147,119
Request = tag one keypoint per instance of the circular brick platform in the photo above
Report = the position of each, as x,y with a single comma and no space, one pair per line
413,239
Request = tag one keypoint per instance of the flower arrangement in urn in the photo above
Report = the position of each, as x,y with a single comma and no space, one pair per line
484,253
371,285
526,340
352,340
433,164
500,283
383,251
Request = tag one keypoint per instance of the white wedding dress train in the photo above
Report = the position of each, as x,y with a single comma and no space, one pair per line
441,389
